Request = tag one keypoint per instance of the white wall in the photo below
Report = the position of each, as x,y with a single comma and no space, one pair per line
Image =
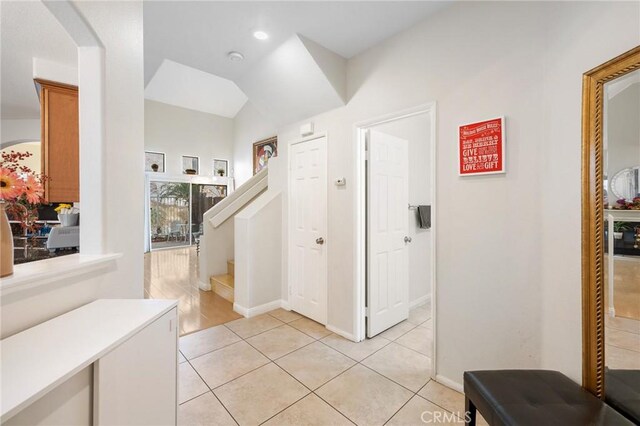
417,131
119,26
179,131
508,259
249,126
19,130
258,255
623,132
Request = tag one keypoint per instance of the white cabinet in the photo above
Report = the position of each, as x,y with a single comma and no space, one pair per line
134,384
123,352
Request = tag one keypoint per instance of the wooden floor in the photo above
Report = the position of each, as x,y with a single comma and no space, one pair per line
173,274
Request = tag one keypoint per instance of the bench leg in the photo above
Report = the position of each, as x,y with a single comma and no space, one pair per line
470,412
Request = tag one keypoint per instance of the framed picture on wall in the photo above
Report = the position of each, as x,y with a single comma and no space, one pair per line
220,168
154,162
262,151
190,165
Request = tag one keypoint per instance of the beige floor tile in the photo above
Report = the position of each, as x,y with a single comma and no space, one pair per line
210,339
398,330
310,411
204,410
420,339
190,384
310,327
279,341
443,396
428,324
364,396
419,411
623,339
284,315
221,366
357,351
247,327
257,396
621,323
181,358
404,366
419,315
616,357
315,364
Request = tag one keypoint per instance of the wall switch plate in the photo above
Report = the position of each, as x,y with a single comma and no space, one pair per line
341,181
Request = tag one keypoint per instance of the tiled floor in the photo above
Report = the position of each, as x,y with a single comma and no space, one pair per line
284,369
626,286
622,332
173,274
622,343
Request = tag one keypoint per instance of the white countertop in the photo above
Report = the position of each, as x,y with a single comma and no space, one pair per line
33,274
38,359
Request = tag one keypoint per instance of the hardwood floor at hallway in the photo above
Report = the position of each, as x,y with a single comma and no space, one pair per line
173,274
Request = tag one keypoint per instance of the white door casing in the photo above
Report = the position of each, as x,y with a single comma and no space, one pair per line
308,228
387,229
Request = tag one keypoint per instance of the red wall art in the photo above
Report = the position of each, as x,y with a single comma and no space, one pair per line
481,147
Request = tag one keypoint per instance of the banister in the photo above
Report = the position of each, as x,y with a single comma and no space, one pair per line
230,205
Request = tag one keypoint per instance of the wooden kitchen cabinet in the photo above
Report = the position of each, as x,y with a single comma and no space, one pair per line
60,141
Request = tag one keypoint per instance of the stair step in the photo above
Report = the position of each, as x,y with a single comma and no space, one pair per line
222,285
231,267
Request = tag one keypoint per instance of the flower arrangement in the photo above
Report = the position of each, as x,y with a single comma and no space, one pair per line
21,188
65,209
623,204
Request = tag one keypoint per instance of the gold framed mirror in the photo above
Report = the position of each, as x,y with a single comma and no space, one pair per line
602,213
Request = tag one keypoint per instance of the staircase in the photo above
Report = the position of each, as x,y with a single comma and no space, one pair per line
222,285
217,239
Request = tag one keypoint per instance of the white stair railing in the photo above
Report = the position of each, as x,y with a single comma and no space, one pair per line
230,205
217,240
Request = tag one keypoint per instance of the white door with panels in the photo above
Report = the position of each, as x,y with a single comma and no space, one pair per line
308,228
387,230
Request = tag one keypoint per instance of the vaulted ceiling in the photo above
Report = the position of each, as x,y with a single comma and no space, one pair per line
200,34
299,71
186,46
28,30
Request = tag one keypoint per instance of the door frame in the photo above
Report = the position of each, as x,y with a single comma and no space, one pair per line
360,129
327,243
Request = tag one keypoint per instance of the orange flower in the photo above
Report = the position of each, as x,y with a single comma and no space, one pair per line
10,185
33,190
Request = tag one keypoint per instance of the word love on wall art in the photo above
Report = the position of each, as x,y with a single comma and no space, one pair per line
481,148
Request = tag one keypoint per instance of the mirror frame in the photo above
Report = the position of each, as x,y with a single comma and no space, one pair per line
593,215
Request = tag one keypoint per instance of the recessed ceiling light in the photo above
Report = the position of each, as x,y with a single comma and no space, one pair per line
235,56
261,35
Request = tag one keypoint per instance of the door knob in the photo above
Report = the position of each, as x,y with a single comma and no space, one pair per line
320,240
407,239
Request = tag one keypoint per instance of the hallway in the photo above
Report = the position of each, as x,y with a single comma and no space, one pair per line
173,274
283,369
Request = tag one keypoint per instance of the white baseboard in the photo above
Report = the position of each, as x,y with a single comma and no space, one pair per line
420,301
257,310
341,333
204,286
449,383
284,304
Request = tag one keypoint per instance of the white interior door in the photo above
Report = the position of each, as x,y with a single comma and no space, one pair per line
308,229
387,233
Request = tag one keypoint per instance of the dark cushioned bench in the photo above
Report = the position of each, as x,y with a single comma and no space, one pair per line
536,398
